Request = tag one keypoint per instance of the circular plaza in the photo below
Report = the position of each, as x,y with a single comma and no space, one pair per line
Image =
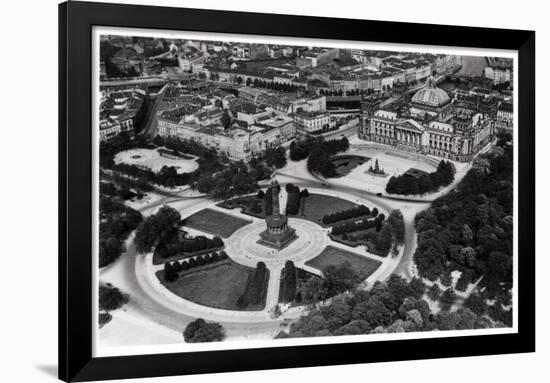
247,283
244,248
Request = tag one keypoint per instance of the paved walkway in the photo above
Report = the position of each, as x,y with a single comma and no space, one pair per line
243,248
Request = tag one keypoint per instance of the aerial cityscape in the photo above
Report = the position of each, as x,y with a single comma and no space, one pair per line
252,191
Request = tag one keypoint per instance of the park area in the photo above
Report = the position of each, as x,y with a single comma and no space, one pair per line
219,285
345,164
215,222
155,159
335,256
315,206
391,162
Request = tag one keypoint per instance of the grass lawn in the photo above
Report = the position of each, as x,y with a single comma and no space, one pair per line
316,206
219,285
335,256
345,164
215,222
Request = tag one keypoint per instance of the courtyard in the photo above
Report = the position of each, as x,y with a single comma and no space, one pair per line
392,162
155,159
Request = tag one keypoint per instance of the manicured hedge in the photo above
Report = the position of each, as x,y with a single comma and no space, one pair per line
347,214
293,200
172,269
255,287
289,282
170,245
356,226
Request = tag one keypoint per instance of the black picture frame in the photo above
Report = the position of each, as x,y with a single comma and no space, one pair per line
76,20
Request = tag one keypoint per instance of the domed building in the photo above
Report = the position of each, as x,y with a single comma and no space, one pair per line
432,100
432,126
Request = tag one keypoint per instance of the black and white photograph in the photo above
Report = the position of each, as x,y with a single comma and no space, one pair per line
290,191
257,191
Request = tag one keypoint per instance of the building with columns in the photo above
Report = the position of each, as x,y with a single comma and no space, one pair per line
432,126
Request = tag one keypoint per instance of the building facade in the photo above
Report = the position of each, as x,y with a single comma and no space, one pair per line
239,141
443,132
309,122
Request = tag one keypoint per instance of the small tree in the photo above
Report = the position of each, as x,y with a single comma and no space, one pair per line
110,298
447,299
201,331
434,292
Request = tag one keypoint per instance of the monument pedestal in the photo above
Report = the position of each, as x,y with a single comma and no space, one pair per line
278,234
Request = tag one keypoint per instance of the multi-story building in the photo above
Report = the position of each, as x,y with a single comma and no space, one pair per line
431,100
317,56
498,75
239,141
440,131
121,111
187,62
505,116
309,122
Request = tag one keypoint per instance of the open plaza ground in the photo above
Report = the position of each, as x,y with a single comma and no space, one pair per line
335,256
391,162
215,222
154,160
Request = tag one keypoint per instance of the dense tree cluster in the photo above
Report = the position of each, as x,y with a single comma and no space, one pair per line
364,224
124,188
425,183
289,282
171,244
201,331
208,157
121,142
356,211
155,227
167,176
110,298
236,179
352,92
300,149
216,175
388,235
393,306
104,318
471,230
278,86
275,157
209,161
294,199
117,221
172,270
319,159
256,288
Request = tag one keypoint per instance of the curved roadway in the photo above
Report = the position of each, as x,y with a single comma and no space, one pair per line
176,320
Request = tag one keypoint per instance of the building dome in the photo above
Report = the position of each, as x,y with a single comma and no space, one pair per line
431,96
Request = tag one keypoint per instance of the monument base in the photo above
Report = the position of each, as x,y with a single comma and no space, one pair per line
277,241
